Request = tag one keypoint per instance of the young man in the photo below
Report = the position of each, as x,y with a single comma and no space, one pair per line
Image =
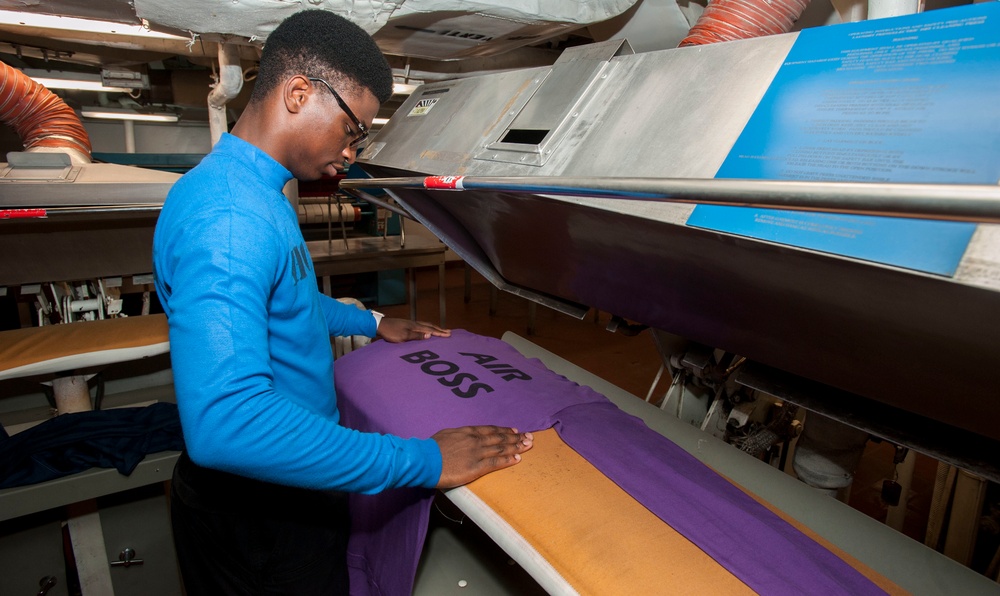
258,500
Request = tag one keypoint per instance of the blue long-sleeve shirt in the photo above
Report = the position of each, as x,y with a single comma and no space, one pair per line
250,336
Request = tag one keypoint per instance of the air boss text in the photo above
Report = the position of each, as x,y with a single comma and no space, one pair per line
465,383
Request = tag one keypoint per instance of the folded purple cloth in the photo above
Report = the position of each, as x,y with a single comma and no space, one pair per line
418,388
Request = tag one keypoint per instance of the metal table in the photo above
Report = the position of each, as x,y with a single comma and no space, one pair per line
363,255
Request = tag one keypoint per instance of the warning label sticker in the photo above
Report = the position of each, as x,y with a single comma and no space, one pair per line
423,106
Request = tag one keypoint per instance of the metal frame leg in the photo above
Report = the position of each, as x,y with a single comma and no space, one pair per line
411,281
441,300
467,297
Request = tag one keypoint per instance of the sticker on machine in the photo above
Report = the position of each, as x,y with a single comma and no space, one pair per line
423,106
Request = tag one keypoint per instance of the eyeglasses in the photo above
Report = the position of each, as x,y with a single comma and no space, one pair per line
343,106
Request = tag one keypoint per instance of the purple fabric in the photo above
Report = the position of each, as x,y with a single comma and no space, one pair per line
763,550
387,534
415,389
418,388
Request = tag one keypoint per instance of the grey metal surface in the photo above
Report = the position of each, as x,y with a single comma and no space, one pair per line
32,549
90,184
885,333
77,242
458,558
660,114
911,565
140,520
554,101
25,500
66,249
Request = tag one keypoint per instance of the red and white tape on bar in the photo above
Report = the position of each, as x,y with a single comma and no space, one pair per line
22,213
444,182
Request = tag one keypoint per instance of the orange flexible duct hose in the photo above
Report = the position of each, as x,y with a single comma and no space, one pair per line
728,20
39,116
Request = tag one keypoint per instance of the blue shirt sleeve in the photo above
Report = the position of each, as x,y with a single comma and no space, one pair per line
346,319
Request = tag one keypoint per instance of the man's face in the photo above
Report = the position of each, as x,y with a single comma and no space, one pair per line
328,140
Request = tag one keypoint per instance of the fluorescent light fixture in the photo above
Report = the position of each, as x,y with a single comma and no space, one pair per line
403,88
380,121
79,81
129,79
75,24
77,85
117,114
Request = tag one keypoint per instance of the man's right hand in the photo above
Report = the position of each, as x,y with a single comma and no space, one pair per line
473,451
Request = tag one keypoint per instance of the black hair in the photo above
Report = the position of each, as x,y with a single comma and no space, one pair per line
319,43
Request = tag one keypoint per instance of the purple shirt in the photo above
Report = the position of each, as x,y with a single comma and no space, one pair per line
423,387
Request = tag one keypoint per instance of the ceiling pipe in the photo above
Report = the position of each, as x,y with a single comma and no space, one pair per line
729,20
41,119
881,9
227,88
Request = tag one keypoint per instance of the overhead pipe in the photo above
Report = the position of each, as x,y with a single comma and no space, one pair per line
882,9
730,20
225,89
950,202
953,202
41,119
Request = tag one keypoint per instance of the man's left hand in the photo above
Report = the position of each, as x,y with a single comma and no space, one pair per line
400,330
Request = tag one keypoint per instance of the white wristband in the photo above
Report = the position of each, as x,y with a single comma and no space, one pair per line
378,318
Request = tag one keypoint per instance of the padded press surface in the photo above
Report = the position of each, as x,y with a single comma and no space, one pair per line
600,539
60,348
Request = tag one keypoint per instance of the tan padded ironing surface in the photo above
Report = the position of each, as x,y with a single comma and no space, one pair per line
59,348
600,539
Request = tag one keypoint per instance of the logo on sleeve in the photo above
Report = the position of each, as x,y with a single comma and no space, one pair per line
301,263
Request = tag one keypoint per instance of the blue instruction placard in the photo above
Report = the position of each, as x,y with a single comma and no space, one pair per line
908,99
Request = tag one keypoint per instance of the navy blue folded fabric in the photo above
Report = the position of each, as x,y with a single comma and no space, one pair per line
72,443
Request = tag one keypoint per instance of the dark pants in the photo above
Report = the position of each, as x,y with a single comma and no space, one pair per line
239,536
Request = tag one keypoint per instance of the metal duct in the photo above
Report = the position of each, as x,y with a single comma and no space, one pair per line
729,20
40,117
